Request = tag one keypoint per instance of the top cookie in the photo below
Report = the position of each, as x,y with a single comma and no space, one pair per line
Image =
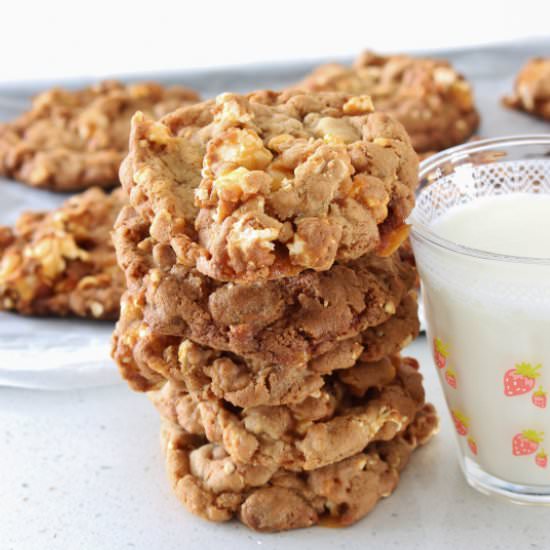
267,185
72,140
432,101
532,88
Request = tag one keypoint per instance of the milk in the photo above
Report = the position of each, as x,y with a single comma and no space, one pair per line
489,327
516,225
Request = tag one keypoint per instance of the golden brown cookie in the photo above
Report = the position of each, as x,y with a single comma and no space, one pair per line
268,185
63,262
209,373
72,140
340,420
532,88
283,321
211,485
434,103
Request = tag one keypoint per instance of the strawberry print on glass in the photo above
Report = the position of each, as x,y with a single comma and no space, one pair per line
441,352
539,398
526,442
521,379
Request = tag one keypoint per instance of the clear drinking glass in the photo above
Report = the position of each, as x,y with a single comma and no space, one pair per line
488,318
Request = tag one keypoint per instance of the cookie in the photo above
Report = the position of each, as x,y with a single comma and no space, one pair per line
282,321
72,140
336,423
434,103
63,262
210,373
532,88
211,485
265,186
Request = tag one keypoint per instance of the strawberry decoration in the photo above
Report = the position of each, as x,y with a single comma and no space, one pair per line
472,444
440,353
539,398
521,379
541,459
450,377
461,422
527,442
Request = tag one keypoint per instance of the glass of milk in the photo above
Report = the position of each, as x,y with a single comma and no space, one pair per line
481,238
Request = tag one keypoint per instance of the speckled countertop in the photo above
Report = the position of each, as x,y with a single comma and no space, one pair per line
84,470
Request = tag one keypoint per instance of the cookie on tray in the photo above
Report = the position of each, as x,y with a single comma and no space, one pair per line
63,262
532,88
211,485
72,140
429,97
265,186
285,321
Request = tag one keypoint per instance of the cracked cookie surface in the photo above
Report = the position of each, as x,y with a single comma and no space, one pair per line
283,321
268,185
429,97
71,140
211,485
210,373
63,262
338,422
532,88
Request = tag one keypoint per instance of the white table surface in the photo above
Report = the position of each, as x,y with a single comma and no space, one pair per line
83,469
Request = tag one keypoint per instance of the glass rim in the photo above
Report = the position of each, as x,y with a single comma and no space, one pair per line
422,231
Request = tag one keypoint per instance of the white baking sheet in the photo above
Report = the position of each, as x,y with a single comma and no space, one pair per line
65,354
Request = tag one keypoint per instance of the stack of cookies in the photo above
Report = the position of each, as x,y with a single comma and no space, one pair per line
268,300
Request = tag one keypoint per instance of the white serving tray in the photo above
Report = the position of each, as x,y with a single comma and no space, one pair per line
56,354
